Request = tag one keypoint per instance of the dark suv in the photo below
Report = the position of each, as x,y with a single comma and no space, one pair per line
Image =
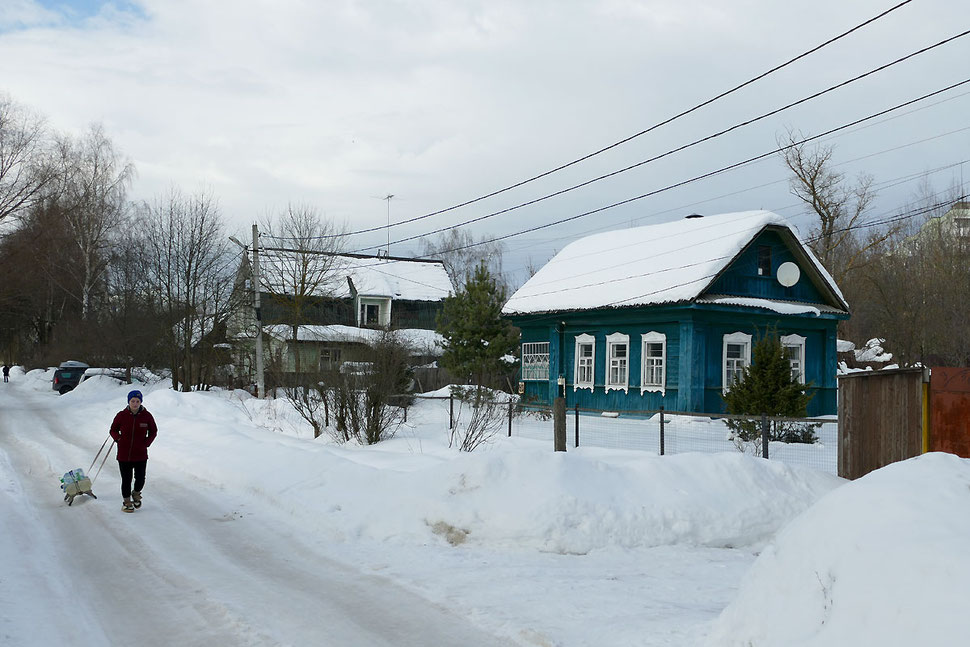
68,375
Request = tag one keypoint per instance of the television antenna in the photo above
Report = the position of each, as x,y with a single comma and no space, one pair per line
387,199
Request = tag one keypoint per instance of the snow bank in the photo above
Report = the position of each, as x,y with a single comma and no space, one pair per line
881,561
414,489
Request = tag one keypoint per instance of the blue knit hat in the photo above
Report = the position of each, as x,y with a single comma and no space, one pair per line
135,394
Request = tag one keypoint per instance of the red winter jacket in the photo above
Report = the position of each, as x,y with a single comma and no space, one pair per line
133,432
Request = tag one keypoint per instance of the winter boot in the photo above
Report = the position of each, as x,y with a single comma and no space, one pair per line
127,506
136,499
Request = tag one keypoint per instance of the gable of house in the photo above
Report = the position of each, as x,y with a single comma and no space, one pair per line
754,273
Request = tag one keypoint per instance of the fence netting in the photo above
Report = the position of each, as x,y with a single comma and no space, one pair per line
810,442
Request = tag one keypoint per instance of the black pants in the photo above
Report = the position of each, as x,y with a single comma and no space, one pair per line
127,468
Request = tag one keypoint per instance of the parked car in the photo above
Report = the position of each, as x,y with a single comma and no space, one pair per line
68,375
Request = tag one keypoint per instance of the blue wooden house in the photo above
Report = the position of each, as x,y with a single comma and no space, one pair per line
667,315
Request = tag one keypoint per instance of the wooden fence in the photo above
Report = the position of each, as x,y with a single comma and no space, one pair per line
880,419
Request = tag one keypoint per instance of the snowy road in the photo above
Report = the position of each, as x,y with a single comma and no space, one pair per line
190,568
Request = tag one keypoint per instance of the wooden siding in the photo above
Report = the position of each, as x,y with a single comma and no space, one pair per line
316,311
741,277
694,354
415,314
618,399
820,353
880,419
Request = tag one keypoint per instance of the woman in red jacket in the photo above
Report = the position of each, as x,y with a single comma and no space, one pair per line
134,430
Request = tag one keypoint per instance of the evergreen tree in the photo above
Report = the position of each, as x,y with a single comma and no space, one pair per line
478,342
768,387
477,338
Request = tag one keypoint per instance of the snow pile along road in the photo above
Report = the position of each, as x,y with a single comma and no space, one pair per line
880,561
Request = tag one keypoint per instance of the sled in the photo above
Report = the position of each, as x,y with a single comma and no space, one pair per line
75,483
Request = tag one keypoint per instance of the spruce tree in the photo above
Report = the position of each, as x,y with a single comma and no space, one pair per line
477,338
478,342
768,387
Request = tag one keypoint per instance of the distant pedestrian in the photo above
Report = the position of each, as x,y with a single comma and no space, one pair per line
134,430
6,373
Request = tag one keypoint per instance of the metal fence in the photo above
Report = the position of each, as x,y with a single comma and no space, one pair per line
675,432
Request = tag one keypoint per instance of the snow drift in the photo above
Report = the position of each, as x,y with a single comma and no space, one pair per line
879,561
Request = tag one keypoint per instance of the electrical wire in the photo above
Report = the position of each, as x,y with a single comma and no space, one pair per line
704,175
642,132
679,148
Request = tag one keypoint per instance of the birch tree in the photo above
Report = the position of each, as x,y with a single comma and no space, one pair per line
189,268
462,254
92,196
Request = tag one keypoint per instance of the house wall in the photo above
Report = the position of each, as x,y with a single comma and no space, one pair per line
694,355
404,314
415,314
316,311
821,362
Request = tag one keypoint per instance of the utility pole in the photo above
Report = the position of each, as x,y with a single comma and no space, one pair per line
260,384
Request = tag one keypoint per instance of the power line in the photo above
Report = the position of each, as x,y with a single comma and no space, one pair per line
646,130
680,148
884,184
705,175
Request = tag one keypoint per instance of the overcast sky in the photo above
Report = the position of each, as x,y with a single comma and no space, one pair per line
338,104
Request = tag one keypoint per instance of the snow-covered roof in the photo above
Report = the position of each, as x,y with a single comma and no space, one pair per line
398,279
395,278
666,263
417,339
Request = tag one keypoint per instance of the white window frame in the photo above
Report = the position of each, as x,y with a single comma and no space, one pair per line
733,338
653,337
535,361
612,342
383,310
796,341
588,362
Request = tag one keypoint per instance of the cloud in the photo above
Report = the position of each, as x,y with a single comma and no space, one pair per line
334,103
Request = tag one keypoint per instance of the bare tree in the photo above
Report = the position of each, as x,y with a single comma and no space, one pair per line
486,415
92,196
462,254
301,266
365,394
837,204
128,320
32,300
189,272
920,291
26,161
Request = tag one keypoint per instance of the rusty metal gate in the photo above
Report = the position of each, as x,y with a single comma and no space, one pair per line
950,411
